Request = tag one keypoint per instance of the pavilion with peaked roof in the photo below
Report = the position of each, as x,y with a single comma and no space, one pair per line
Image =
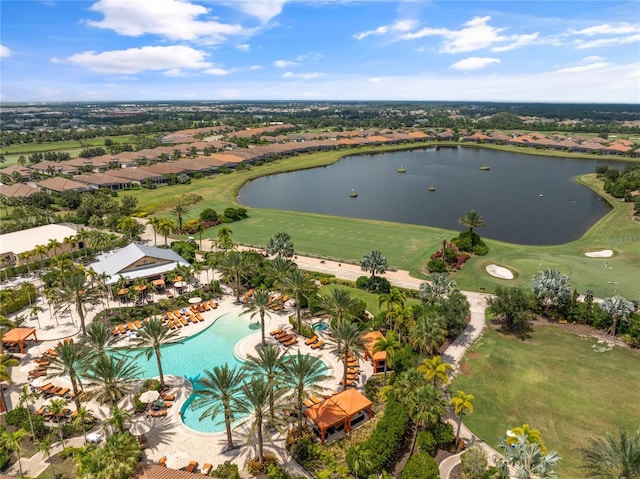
339,411
379,358
19,336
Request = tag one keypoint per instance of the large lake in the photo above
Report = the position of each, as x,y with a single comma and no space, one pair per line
524,199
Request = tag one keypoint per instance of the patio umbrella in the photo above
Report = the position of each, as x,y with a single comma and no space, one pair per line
177,460
149,396
179,284
140,428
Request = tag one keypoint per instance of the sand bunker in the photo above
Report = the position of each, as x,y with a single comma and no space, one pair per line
605,253
499,271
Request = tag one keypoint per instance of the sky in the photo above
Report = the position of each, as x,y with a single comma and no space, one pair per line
520,51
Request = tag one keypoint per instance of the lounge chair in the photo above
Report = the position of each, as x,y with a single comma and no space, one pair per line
131,326
308,402
317,345
213,304
206,469
63,391
158,413
276,331
184,321
206,307
192,466
122,328
168,403
199,317
281,334
168,397
193,319
41,360
171,325
177,313
138,324
115,331
291,342
311,340
316,400
285,338
193,308
177,323
163,461
46,387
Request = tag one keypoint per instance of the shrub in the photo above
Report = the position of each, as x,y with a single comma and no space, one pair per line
421,466
480,249
4,459
209,214
437,265
474,463
16,416
443,433
226,471
426,442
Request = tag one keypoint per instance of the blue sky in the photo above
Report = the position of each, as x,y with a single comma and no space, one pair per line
547,51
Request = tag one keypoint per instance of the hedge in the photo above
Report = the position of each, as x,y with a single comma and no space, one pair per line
421,466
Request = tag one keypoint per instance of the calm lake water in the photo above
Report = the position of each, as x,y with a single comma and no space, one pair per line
524,199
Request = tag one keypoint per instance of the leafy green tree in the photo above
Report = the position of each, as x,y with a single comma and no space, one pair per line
6,361
618,309
258,304
472,219
440,287
374,263
179,210
461,403
98,338
112,378
44,444
527,459
233,265
614,457
27,396
12,441
77,288
280,244
225,240
339,304
531,436
165,228
56,407
513,305
71,359
152,336
388,345
304,374
298,285
361,459
425,405
219,392
347,340
269,364
436,371
278,269
117,459
82,417
427,335
474,463
118,417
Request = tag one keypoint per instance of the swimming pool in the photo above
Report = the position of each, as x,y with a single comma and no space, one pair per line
189,357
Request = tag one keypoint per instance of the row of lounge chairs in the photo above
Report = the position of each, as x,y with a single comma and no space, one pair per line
50,390
128,327
285,338
315,342
191,467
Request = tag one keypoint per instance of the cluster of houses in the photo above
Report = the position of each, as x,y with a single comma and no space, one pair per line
190,156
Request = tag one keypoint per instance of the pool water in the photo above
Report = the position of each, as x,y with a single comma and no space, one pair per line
320,326
189,357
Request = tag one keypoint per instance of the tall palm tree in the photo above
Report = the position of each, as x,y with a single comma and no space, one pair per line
100,240
619,309
224,241
258,304
118,417
72,360
436,371
612,457
98,338
6,361
375,263
269,364
232,265
179,210
279,268
42,251
128,226
77,288
339,303
117,459
83,416
304,374
165,228
154,334
393,298
255,405
54,245
12,441
427,334
24,258
425,405
461,403
219,391
154,221
388,345
402,319
35,310
527,459
56,407
83,235
348,342
472,219
27,396
298,284
45,444
112,377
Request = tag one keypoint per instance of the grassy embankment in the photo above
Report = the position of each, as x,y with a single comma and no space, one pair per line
409,246
554,381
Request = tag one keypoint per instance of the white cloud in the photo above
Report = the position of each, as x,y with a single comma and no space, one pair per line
245,47
263,10
603,42
591,59
217,71
398,27
474,63
608,29
303,76
255,67
173,19
4,52
519,41
175,73
134,60
284,63
584,68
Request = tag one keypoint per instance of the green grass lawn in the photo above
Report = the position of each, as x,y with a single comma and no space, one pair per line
372,300
409,246
556,383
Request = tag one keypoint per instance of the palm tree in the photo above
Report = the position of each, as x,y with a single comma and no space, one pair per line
42,251
45,444
298,284
279,269
375,263
112,377
425,405
24,257
98,338
612,457
233,264
402,319
128,226
551,287
27,396
427,335
224,241
35,310
218,392
82,235
71,360
304,373
54,244
339,303
117,459
6,361
531,436
118,418
527,459
461,403
393,298
619,309
269,364
165,228
100,240
154,334
12,441
83,416
361,459
388,345
348,342
179,209
76,288
472,219
256,406
436,371
258,304
440,287
56,407
280,244
154,221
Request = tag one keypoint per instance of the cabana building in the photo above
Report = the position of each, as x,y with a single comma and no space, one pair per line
18,336
340,412
378,359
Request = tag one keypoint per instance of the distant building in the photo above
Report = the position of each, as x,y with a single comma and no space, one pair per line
13,244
